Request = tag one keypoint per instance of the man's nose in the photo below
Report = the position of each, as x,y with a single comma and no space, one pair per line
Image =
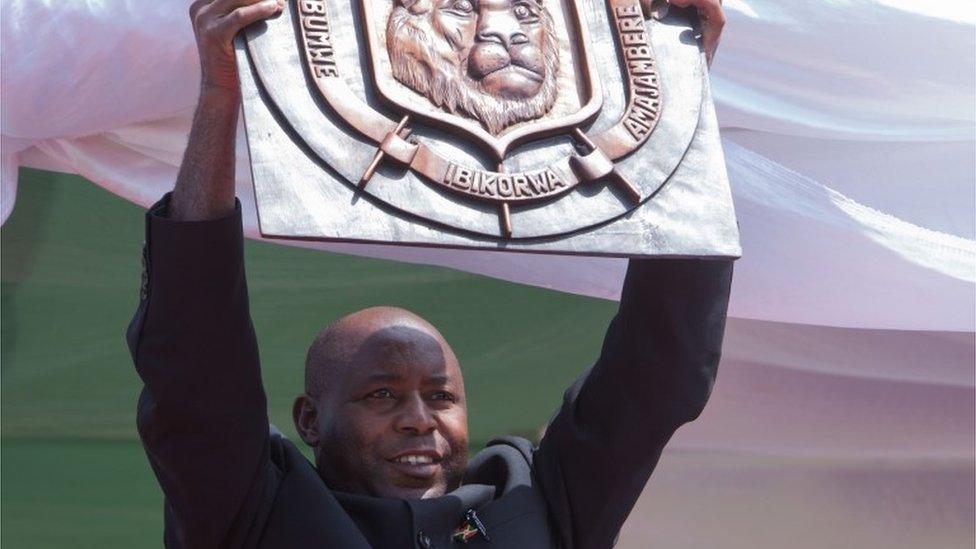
500,27
415,417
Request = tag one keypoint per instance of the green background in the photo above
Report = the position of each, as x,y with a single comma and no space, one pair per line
73,472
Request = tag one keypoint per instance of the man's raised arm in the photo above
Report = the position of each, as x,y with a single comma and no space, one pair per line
205,185
202,413
654,374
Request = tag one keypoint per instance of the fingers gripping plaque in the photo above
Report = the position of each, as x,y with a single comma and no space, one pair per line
535,125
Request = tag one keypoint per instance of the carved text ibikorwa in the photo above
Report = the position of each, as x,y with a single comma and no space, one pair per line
521,186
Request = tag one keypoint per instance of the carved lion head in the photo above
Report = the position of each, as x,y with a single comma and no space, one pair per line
492,60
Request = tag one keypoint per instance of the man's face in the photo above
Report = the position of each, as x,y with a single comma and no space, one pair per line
499,41
393,421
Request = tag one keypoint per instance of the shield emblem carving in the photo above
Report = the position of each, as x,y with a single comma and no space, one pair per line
499,71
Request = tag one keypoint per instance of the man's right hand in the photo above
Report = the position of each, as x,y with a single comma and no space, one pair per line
215,23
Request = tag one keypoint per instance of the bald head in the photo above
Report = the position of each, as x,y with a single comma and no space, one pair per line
384,406
368,331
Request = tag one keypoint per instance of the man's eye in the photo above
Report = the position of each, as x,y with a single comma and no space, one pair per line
443,395
381,393
463,6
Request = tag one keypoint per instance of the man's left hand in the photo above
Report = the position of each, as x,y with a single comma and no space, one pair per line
712,19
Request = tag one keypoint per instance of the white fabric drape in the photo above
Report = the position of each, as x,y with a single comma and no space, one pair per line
848,127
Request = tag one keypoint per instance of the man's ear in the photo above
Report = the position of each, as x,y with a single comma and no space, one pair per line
305,414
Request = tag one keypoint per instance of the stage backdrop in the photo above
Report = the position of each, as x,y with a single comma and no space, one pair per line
848,127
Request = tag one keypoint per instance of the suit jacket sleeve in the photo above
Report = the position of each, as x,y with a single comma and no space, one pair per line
202,412
655,373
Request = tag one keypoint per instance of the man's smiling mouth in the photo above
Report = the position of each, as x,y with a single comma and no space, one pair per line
414,459
418,464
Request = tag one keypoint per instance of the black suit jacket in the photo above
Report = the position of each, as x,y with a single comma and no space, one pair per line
229,482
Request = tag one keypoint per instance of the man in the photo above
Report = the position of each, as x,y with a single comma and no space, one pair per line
384,402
